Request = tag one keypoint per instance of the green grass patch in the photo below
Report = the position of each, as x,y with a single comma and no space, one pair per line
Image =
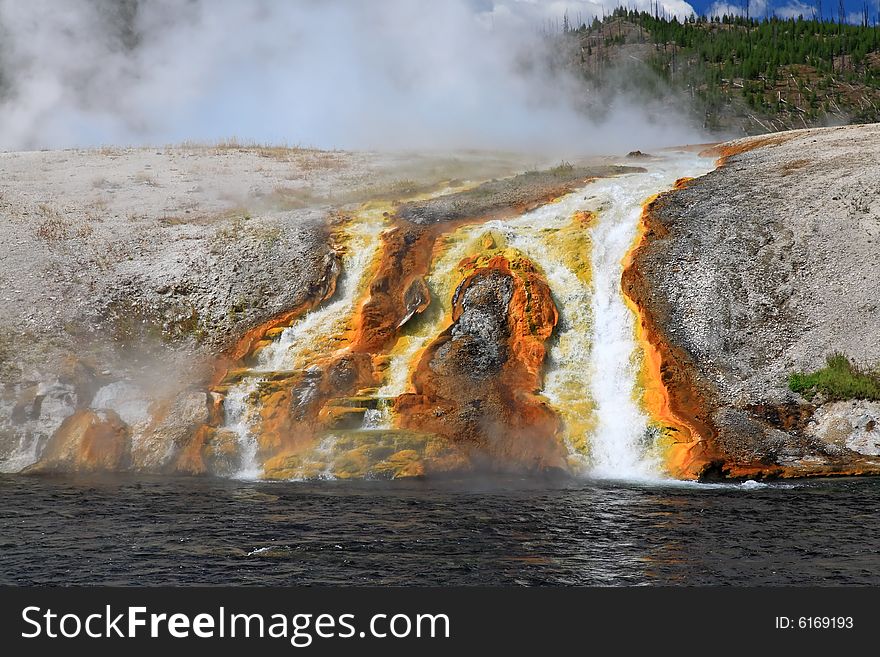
839,379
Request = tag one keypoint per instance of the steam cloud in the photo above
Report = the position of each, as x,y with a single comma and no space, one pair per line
331,73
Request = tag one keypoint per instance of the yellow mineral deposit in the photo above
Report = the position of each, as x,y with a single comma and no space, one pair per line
346,388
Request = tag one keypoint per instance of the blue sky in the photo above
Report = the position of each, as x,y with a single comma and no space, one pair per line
535,11
790,7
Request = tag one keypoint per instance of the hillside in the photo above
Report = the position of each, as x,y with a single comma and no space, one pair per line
758,282
136,271
735,76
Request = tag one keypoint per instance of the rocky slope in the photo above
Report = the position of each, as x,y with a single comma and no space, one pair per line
476,384
755,271
285,313
139,285
125,272
474,405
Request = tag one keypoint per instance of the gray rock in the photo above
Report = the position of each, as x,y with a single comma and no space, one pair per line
145,264
848,425
764,267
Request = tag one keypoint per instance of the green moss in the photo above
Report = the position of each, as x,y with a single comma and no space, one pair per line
839,379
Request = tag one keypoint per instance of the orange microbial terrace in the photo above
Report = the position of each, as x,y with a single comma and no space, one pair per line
666,392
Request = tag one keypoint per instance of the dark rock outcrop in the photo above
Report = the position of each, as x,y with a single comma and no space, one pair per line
476,383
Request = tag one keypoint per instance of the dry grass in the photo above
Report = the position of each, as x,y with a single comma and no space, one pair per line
281,152
199,219
144,178
294,198
177,220
55,226
83,230
319,161
395,190
52,229
794,165
194,217
97,205
52,226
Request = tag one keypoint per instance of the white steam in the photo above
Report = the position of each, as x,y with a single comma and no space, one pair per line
331,73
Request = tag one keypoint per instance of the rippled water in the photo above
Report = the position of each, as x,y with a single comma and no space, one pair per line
122,530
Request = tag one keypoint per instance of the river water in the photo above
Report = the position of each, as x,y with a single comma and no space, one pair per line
125,531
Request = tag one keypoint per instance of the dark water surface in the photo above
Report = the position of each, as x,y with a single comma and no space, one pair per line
123,530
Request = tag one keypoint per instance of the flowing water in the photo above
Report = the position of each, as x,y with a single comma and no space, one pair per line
621,447
419,333
593,358
322,329
317,332
239,416
123,530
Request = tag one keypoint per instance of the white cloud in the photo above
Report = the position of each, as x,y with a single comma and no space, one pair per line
757,9
539,12
858,18
795,8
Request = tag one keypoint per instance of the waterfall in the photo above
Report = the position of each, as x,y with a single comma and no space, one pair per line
239,411
618,446
593,360
622,446
316,332
591,375
422,330
320,330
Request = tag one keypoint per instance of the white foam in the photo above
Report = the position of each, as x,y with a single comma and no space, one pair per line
324,324
239,416
594,348
314,332
595,345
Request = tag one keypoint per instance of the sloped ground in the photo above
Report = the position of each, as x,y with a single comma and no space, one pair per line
763,268
125,273
142,264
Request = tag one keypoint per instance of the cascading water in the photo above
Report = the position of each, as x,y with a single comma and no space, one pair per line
621,447
592,365
239,411
618,448
418,334
318,331
579,243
